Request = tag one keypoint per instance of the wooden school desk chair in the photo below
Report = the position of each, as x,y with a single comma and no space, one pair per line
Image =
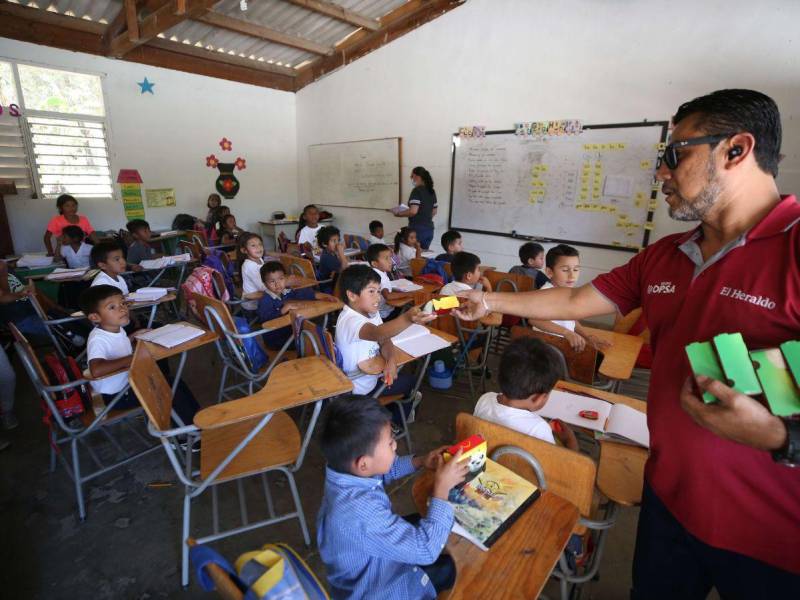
568,474
76,431
51,325
230,346
508,282
242,438
634,324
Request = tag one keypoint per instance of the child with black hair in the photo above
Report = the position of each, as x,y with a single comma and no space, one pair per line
229,231
451,244
379,256
109,350
376,233
140,249
367,550
109,258
466,275
308,229
531,257
215,223
74,250
332,259
406,248
279,300
529,370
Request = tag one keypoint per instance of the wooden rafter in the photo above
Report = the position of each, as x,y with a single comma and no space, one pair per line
163,18
132,20
223,57
329,9
393,25
216,19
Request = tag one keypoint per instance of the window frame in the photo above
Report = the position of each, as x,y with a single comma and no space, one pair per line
46,114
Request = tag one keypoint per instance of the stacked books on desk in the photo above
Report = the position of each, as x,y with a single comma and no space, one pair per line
419,341
404,285
171,335
35,260
60,274
165,261
616,422
147,294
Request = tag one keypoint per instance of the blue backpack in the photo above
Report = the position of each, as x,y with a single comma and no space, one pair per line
332,354
436,267
212,259
255,353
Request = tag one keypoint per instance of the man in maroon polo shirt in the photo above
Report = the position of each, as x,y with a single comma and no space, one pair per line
717,509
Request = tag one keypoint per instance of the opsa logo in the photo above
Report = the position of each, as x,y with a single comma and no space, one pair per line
665,287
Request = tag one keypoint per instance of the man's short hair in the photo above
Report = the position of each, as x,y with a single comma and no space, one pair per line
448,237
374,251
374,226
325,234
737,111
136,224
528,366
355,278
557,252
351,427
101,251
90,298
528,251
464,263
272,266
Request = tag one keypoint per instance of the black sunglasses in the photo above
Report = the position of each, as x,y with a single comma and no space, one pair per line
671,151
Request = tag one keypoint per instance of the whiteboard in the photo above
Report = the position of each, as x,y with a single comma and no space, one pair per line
594,188
364,174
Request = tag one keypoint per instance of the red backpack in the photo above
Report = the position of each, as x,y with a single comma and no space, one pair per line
70,402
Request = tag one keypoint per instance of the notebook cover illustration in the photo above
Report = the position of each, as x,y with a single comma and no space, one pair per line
489,503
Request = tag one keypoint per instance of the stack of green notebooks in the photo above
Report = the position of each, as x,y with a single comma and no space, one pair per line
774,372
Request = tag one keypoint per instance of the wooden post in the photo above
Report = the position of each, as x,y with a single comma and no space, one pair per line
7,187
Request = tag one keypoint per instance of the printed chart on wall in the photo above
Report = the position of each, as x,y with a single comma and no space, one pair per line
593,188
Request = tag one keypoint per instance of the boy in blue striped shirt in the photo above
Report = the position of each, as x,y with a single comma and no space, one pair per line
368,550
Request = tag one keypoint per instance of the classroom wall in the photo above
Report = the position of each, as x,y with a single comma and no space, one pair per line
167,135
494,62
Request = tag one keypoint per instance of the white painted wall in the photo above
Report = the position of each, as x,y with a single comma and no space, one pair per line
494,62
166,136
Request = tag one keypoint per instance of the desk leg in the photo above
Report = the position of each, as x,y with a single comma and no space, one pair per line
152,316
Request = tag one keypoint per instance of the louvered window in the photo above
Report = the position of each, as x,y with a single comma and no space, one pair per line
13,149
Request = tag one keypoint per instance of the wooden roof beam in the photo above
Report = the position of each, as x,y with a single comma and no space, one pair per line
330,9
160,20
216,19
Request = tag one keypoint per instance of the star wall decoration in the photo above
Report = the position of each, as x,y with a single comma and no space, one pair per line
146,86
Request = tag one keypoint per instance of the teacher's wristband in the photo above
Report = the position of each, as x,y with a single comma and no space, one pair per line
789,455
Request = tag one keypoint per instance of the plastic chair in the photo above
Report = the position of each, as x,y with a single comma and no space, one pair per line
76,431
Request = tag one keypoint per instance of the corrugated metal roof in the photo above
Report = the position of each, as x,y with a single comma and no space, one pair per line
275,14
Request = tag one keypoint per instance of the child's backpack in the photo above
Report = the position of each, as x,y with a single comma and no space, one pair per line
331,353
70,403
255,353
435,268
212,259
201,281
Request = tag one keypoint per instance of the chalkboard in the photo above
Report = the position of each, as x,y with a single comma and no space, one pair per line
594,188
362,174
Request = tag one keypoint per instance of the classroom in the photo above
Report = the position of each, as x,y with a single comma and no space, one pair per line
311,299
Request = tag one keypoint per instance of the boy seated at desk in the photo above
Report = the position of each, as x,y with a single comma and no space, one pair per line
109,258
140,249
74,250
466,275
370,551
529,370
531,257
376,233
279,300
332,259
451,244
109,350
379,257
563,266
361,334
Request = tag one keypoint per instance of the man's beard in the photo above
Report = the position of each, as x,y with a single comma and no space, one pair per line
696,209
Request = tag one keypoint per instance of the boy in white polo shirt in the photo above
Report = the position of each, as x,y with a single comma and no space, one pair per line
466,275
110,260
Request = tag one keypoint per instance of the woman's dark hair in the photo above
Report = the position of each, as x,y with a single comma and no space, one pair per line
272,266
62,200
355,278
74,233
423,174
401,236
301,222
241,244
351,427
737,111
528,366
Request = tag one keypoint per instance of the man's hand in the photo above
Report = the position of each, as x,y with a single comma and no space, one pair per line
474,308
577,342
415,315
448,475
735,417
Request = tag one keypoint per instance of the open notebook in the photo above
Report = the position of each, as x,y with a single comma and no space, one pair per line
171,335
418,341
60,273
404,285
147,294
165,261
615,421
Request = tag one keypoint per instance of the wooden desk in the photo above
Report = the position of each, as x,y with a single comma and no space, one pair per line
620,358
520,562
620,472
159,352
296,282
374,366
309,309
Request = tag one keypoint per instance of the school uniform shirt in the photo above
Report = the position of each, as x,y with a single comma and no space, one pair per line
58,222
270,306
252,282
329,267
139,251
103,278
452,288
77,259
518,419
376,240
308,235
404,258
109,346
369,551
728,495
565,324
383,308
354,349
539,278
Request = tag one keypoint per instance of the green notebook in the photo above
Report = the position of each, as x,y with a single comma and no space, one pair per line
791,353
782,394
736,365
703,359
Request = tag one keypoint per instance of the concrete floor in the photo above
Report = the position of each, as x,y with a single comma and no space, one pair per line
129,545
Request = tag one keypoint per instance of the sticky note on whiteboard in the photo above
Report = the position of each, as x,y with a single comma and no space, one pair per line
649,226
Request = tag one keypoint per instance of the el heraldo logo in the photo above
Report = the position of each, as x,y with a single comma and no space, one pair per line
741,295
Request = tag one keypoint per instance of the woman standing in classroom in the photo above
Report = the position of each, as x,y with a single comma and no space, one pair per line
422,206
